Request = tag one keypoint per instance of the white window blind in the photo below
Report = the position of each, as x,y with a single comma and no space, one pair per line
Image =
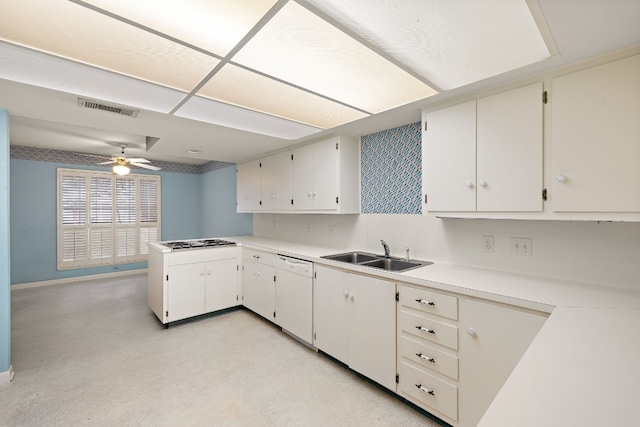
104,219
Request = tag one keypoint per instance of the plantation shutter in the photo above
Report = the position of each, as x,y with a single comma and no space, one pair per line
126,219
106,220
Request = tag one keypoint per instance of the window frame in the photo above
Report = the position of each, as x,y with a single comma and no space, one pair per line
100,243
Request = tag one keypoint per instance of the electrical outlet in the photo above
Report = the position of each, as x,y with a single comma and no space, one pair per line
275,225
522,246
487,244
308,227
332,229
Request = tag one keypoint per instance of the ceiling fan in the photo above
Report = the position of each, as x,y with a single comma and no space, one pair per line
121,162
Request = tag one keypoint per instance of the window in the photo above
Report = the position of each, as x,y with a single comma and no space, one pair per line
105,219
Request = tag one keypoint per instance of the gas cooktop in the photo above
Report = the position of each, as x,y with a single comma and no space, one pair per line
205,243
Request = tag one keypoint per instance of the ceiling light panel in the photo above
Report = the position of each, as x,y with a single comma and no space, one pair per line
215,26
218,113
66,29
235,85
449,43
299,47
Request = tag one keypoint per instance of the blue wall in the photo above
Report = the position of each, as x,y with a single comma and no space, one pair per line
219,217
184,197
5,294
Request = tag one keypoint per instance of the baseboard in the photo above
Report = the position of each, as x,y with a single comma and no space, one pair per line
7,376
78,279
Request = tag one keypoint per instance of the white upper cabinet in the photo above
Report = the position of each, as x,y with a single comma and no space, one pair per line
485,155
276,182
326,176
595,133
449,158
248,186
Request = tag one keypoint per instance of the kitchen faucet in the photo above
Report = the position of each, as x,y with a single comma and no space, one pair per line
386,249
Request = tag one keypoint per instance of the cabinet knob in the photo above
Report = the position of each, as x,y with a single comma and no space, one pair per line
561,178
468,184
482,183
345,294
309,194
471,332
314,194
351,297
209,273
202,273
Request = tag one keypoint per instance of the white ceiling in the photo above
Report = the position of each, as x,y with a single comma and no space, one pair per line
280,102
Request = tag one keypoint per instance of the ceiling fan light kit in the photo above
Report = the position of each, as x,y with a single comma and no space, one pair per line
121,170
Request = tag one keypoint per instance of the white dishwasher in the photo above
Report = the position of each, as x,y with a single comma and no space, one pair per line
294,297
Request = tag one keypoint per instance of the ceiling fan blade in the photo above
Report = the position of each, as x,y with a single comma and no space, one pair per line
106,163
137,160
98,156
141,165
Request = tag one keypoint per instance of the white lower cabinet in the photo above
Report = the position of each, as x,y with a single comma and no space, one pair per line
192,282
456,352
258,283
354,321
493,340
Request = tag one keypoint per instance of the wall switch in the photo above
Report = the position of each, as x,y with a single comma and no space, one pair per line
522,246
332,229
487,244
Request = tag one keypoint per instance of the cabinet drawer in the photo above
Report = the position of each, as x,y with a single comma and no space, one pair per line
429,329
190,256
258,256
429,302
429,357
428,390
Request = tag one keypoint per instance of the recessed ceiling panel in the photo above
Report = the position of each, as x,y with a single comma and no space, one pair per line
238,86
216,26
66,29
299,47
450,43
218,113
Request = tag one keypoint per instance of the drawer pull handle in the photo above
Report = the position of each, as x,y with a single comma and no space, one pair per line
431,392
425,357
423,329
425,302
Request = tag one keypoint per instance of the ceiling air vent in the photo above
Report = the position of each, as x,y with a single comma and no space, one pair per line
101,105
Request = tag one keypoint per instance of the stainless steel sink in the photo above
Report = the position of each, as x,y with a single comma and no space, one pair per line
376,261
393,264
352,257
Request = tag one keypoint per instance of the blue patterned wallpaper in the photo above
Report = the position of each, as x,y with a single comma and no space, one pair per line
59,156
391,171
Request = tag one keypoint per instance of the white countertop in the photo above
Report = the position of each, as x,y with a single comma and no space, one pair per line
583,367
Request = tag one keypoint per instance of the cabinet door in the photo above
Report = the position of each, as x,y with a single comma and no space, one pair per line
326,174
294,304
221,285
276,182
595,139
372,329
330,312
509,150
258,289
500,337
185,291
248,186
449,158
302,181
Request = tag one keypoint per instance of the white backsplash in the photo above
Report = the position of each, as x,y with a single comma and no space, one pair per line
602,253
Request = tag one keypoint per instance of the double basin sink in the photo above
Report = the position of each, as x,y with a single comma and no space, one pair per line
377,261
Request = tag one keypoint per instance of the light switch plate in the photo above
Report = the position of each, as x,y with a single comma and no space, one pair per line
522,246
